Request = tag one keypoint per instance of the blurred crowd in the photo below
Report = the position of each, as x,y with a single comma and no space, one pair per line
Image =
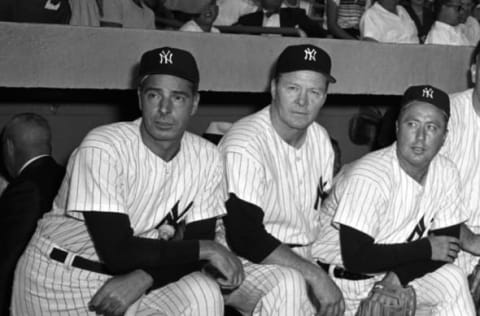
448,22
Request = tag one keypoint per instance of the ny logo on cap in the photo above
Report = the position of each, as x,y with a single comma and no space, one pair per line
166,57
427,93
310,54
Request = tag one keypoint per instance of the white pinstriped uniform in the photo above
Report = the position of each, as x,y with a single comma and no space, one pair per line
462,146
375,196
113,171
283,181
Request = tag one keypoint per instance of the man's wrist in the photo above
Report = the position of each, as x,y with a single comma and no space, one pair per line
145,278
205,249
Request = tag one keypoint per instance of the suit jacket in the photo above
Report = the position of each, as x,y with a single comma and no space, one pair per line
289,17
22,204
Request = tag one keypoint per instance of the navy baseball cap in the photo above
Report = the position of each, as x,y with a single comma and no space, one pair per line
169,61
428,94
305,57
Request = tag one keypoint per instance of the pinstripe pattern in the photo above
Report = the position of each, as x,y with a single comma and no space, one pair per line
443,292
271,290
284,182
113,171
264,170
127,185
462,146
50,288
375,196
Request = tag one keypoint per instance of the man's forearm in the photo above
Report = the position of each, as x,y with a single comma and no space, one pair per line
286,257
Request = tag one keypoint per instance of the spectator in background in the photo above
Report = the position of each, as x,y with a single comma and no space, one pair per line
386,21
35,11
230,10
127,14
468,24
422,16
204,21
36,177
272,14
343,17
445,31
85,12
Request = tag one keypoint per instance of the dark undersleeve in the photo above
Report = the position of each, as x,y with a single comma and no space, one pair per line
408,260
246,234
165,261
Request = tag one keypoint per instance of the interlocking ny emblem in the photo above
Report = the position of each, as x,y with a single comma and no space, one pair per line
310,54
166,57
427,93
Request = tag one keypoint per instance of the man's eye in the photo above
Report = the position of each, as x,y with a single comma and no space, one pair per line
152,95
179,98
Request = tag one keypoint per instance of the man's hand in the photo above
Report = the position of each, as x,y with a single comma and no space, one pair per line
119,292
230,268
329,297
444,248
469,241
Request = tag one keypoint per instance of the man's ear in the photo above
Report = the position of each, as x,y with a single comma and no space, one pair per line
473,73
273,88
196,101
139,96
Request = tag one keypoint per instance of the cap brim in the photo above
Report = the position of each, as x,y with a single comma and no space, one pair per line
330,78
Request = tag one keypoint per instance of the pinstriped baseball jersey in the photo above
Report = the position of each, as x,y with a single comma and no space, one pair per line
462,146
113,171
285,182
377,197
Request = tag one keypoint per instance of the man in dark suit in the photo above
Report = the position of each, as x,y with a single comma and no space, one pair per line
271,14
36,177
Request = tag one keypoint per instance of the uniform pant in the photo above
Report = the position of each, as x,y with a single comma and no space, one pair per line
271,290
43,286
443,292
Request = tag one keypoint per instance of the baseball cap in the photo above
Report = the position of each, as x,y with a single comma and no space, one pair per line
169,61
428,94
304,57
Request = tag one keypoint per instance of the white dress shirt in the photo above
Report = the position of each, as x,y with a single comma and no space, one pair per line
445,34
385,26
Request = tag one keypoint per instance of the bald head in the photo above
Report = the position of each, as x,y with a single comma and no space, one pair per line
25,136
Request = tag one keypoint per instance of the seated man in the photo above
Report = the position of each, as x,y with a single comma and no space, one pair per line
204,21
272,14
445,30
386,21
279,162
135,14
36,177
35,11
230,10
468,24
397,214
139,202
343,17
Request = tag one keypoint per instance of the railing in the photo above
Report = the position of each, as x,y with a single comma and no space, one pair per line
67,57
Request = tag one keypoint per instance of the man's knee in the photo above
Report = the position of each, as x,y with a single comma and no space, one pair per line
204,291
453,281
290,282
